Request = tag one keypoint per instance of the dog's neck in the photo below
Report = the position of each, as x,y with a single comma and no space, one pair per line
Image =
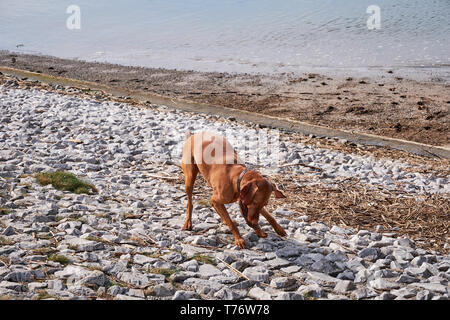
239,180
237,176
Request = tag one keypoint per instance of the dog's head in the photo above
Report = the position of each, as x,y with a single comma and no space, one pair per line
254,196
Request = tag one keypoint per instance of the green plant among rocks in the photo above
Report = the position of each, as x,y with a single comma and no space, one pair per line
59,258
204,259
65,181
164,271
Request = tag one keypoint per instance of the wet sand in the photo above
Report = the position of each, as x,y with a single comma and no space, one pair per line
387,105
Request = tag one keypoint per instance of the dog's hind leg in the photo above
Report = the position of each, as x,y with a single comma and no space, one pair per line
190,174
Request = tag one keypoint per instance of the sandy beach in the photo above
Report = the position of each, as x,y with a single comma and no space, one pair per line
385,105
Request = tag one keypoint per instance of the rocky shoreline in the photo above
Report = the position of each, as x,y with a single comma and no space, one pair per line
125,242
387,105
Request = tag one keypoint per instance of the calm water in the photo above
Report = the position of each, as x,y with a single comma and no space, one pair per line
236,35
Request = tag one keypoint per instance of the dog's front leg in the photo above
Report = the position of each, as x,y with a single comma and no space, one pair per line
223,213
278,229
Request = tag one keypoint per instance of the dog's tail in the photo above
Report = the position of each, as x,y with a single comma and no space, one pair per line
187,135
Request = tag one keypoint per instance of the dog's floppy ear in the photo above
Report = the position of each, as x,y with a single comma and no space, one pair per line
278,194
248,192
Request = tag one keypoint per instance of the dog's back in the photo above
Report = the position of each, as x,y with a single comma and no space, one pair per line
208,148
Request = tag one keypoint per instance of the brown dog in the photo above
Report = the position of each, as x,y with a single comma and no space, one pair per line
215,158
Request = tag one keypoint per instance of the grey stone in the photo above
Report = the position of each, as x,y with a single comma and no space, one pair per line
259,294
343,231
344,286
163,290
134,278
324,266
346,275
56,285
311,291
227,294
33,286
173,257
404,242
383,284
19,276
243,285
257,273
95,277
440,298
386,296
12,286
287,252
418,261
278,263
290,269
9,231
181,276
433,287
304,261
424,295
336,256
139,293
207,271
282,282
190,265
363,293
203,285
405,293
127,297
402,255
84,245
305,237
225,257
185,295
406,279
424,271
141,259
323,279
370,254
290,296
115,290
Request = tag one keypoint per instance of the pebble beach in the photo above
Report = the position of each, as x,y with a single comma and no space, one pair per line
125,242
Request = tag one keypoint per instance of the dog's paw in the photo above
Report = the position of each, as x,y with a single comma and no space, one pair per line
240,243
280,231
187,226
260,233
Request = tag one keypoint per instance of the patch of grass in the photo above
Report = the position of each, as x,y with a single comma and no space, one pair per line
5,242
43,294
98,239
204,259
44,251
308,296
64,181
165,272
59,258
44,236
4,211
205,203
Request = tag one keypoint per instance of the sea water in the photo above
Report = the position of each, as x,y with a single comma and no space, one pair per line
254,36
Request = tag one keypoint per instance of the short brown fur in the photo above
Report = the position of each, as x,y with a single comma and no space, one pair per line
222,175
